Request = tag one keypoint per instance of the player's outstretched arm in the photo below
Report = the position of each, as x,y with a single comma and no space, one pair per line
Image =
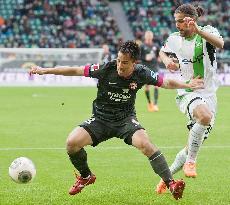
194,84
63,70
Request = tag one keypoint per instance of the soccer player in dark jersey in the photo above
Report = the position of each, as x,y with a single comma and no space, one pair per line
114,113
149,57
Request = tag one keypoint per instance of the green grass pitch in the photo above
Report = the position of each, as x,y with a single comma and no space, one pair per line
34,122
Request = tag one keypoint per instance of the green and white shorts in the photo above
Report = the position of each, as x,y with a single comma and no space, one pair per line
188,102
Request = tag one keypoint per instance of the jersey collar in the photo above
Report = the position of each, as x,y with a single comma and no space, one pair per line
190,38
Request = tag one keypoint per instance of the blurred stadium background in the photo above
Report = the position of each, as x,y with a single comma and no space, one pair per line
34,121
89,24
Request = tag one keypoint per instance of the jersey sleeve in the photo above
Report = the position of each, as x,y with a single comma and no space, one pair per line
169,46
211,30
152,78
95,70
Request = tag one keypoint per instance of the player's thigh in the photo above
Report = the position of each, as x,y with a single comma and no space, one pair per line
188,103
79,137
202,114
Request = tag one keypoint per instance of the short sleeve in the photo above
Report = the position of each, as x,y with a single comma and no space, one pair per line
95,70
211,30
152,78
169,46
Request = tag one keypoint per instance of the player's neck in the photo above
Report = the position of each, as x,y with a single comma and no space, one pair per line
128,76
190,36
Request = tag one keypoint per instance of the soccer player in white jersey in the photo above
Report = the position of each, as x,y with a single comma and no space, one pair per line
195,48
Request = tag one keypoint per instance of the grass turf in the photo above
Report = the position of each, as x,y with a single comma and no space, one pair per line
34,122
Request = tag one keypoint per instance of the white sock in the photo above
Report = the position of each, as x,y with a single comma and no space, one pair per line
194,142
179,161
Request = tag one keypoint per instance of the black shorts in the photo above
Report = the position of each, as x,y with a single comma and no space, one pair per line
101,130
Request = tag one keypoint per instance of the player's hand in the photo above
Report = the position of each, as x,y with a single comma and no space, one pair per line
172,65
36,70
191,23
196,83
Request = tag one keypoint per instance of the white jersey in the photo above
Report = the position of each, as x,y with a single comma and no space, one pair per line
185,52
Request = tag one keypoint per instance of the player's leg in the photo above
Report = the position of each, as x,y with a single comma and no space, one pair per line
181,156
134,134
150,105
176,166
179,161
185,105
90,132
155,97
211,102
141,141
203,117
76,140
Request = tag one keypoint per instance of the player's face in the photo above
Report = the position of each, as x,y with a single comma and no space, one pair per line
181,25
125,65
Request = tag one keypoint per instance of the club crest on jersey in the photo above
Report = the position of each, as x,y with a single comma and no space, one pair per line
133,86
94,67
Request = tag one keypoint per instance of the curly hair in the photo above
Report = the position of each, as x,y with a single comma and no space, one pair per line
131,48
190,10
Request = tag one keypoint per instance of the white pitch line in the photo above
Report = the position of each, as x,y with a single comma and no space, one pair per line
109,148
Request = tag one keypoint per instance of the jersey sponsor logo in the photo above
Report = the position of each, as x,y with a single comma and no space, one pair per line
111,83
94,67
133,86
197,59
119,97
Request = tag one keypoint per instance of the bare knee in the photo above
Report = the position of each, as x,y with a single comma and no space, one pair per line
72,145
77,139
205,118
202,114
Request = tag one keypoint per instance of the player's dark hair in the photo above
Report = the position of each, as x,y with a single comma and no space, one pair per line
190,10
131,48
